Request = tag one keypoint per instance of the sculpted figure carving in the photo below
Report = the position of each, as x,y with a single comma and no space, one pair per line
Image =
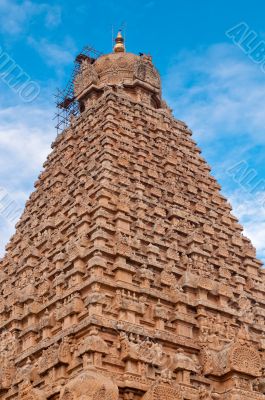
65,351
243,334
215,333
179,360
167,277
45,285
145,275
138,349
49,357
262,342
47,320
207,394
160,311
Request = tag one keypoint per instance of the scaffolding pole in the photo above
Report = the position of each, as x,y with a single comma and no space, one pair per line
66,103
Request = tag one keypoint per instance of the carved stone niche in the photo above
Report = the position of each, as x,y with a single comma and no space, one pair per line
90,385
92,348
123,271
73,305
30,338
131,307
97,264
163,391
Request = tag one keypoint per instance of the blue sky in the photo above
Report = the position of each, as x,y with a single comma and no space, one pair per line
208,80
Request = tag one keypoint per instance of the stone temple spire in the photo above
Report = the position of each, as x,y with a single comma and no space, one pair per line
119,44
128,277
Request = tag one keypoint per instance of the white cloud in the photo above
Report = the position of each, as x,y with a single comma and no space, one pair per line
15,16
250,209
25,137
6,231
54,54
52,15
218,91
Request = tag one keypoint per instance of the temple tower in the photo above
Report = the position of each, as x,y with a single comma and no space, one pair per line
128,277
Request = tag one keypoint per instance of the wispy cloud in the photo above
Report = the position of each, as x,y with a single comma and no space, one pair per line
25,137
251,213
54,54
15,16
220,94
26,133
217,91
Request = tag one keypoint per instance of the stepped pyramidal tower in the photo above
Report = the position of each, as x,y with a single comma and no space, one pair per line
128,278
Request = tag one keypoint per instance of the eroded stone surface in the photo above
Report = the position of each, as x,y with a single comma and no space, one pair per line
128,277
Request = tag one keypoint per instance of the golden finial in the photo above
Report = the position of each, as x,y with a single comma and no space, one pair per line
119,44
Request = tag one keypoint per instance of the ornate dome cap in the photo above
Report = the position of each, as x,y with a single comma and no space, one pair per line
135,74
122,68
